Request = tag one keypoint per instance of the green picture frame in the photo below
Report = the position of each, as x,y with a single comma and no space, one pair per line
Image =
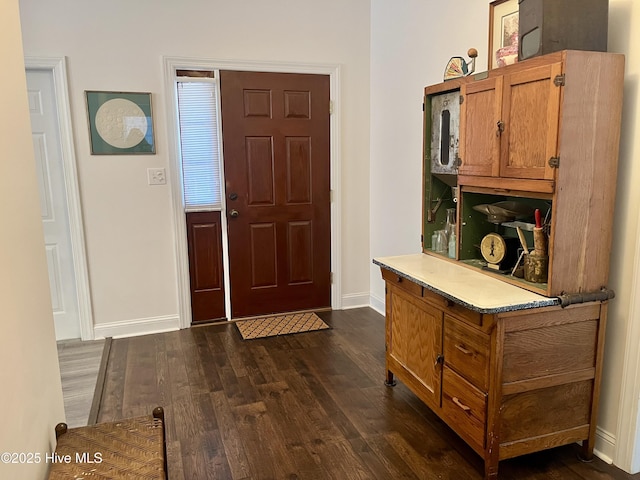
120,123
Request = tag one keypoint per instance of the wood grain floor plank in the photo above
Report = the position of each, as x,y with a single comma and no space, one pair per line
175,467
265,445
320,421
140,378
113,395
231,438
268,369
341,462
308,465
392,461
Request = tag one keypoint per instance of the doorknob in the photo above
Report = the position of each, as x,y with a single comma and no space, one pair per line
234,213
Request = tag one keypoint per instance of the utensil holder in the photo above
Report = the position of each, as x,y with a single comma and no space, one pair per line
535,268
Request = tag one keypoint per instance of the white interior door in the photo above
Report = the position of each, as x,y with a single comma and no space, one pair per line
53,202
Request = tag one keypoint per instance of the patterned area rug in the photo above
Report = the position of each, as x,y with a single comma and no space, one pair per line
280,325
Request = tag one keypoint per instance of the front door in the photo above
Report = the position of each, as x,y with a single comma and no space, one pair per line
277,172
53,202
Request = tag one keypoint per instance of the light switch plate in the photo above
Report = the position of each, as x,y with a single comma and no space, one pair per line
156,176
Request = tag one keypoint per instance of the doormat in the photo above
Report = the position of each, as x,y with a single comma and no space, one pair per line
280,325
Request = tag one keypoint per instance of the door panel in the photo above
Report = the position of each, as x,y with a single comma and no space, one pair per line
276,157
204,238
260,171
298,170
264,255
531,115
479,134
300,252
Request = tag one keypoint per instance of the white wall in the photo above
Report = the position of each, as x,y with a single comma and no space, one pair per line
411,42
31,399
624,37
118,45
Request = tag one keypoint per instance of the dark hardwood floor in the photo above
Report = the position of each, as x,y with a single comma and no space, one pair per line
305,406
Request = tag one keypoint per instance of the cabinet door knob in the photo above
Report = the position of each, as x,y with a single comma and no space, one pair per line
500,125
439,360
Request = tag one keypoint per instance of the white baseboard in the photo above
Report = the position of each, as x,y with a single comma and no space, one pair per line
605,446
377,304
139,326
355,300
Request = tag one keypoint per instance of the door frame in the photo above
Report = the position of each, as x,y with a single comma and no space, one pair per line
171,64
58,68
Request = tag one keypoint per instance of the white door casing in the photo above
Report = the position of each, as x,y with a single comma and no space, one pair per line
59,197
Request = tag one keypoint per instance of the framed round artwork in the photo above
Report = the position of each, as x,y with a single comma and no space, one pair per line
120,123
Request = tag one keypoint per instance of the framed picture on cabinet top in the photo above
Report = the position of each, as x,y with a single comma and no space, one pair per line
503,33
120,123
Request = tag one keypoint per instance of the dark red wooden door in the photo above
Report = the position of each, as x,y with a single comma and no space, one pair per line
277,171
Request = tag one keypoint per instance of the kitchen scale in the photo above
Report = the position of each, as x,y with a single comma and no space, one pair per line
500,253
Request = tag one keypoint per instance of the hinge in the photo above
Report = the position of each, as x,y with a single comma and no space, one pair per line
461,99
421,239
559,80
458,161
423,106
554,162
331,277
330,196
330,107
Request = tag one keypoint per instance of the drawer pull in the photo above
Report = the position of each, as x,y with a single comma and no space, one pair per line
463,349
460,404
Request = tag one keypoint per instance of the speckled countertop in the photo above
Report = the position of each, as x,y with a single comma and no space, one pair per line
471,289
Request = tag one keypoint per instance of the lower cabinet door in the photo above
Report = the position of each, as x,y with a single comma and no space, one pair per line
414,331
464,408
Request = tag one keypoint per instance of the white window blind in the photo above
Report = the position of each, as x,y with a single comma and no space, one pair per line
199,143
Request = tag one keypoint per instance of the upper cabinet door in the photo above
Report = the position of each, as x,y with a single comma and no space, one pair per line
530,114
480,125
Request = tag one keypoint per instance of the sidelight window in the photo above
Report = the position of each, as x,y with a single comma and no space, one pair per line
199,139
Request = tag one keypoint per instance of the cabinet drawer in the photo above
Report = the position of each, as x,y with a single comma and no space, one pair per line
467,351
469,316
397,280
464,408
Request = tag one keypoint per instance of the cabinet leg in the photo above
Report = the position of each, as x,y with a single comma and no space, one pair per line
490,470
586,455
390,381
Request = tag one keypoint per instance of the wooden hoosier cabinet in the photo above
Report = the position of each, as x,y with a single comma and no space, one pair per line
498,325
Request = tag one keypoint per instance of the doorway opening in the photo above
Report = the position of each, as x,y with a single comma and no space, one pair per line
172,65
